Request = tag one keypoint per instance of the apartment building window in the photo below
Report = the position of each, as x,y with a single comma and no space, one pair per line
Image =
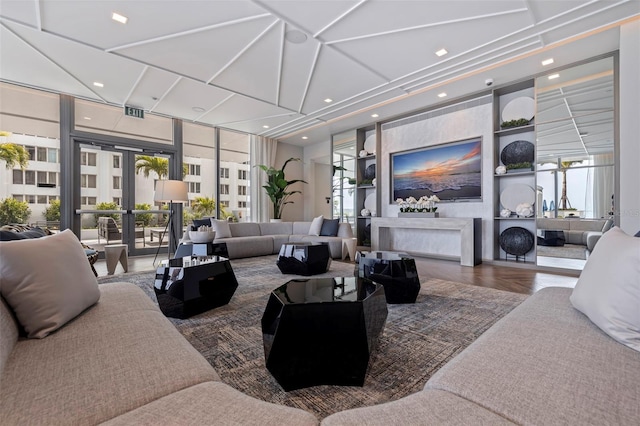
242,189
42,199
42,177
242,204
88,158
242,174
52,155
18,197
88,181
32,152
116,161
31,199
42,154
194,169
30,177
88,201
52,198
224,172
224,189
53,178
224,203
117,200
18,177
194,187
116,182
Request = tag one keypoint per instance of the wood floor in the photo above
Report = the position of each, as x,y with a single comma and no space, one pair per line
514,279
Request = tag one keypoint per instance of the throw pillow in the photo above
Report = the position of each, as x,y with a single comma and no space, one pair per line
47,281
10,235
608,290
316,225
221,227
329,227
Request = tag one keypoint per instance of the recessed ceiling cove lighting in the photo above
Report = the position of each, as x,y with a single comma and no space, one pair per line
553,76
87,118
375,115
305,138
98,84
198,109
547,62
441,52
265,126
328,100
119,18
442,95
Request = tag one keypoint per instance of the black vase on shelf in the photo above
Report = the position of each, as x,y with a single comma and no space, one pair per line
516,241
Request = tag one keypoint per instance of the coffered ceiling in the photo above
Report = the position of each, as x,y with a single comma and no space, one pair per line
269,67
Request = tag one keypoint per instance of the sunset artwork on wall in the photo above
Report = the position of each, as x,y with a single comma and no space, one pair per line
452,171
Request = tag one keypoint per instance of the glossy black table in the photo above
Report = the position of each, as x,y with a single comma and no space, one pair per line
322,331
304,258
550,237
201,249
397,272
190,286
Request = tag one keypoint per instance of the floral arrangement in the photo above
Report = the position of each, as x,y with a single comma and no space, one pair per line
424,204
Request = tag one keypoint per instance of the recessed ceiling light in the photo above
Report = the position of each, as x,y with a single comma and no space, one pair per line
265,126
198,109
375,115
87,118
98,84
547,62
295,36
328,100
552,76
119,18
305,138
442,95
441,52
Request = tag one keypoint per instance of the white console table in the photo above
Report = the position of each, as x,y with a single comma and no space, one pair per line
470,233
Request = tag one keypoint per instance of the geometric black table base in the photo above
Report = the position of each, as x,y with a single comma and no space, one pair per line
184,291
397,272
322,331
304,258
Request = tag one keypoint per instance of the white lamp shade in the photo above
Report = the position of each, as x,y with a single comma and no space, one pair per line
174,191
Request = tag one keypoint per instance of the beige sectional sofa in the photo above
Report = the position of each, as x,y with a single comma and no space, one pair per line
584,232
248,239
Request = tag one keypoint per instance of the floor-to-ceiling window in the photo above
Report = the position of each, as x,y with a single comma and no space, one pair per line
234,176
199,158
30,119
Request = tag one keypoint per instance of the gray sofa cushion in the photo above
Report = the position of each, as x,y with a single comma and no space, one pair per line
244,229
546,363
429,407
213,403
117,356
239,247
8,333
276,228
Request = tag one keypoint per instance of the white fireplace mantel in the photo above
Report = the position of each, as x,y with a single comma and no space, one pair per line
470,232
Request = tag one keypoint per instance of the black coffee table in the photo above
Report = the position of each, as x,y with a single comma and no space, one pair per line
322,331
189,287
550,237
397,272
304,258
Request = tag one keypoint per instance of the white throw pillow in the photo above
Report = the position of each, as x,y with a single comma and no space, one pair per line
221,227
608,290
316,225
47,281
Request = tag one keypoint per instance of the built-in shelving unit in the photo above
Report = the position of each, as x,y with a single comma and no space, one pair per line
367,194
515,179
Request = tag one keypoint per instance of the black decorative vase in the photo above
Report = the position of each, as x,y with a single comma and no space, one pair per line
516,241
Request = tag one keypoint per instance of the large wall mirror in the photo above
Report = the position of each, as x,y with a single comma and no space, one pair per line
344,169
575,160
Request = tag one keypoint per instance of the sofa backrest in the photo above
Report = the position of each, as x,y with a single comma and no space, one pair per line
301,228
8,333
587,224
244,229
553,224
276,228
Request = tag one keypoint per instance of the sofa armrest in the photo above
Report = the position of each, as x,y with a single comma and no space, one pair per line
345,230
592,239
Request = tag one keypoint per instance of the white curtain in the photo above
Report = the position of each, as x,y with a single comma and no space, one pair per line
263,151
603,181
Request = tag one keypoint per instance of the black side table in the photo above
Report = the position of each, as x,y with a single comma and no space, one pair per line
551,238
397,272
322,331
304,258
186,289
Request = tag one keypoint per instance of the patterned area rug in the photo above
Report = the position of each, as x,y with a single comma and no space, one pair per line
417,340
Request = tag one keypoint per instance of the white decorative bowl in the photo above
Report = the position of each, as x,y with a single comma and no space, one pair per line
200,237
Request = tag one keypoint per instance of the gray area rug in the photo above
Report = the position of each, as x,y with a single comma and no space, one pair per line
568,251
417,340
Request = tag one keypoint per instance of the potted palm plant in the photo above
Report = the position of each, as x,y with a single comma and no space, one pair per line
277,187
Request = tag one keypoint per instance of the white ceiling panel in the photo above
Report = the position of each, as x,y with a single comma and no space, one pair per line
364,54
200,55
